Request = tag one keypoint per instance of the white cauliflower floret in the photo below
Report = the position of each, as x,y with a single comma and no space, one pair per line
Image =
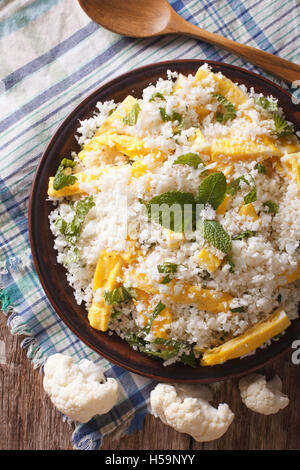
262,396
186,408
78,390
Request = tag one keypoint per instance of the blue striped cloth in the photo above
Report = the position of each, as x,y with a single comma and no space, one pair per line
52,56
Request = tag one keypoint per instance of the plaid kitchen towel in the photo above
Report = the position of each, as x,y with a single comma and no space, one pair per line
51,57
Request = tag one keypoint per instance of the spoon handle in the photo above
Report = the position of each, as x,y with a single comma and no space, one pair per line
282,68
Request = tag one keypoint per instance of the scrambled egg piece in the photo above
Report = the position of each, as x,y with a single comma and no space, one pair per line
118,114
208,260
249,341
223,207
108,271
249,211
205,299
234,149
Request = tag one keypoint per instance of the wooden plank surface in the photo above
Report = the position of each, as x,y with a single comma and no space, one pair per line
28,420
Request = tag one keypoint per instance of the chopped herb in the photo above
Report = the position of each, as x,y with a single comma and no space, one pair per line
230,261
72,257
119,295
230,112
163,113
238,310
246,234
157,95
273,208
166,279
189,359
174,117
132,116
205,275
213,232
282,127
135,340
158,309
165,355
261,168
167,268
251,196
115,314
191,159
71,230
235,185
266,104
61,179
212,190
172,347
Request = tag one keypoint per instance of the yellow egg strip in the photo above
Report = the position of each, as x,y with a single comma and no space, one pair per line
249,341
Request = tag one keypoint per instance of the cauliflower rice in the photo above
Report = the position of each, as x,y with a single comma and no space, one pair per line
264,248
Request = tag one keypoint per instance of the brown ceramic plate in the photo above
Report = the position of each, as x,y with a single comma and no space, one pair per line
53,275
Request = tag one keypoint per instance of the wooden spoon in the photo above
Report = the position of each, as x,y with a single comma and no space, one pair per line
157,17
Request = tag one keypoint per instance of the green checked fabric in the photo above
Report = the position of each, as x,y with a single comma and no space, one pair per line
51,57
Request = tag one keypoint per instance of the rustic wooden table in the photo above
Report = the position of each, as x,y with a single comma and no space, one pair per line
28,420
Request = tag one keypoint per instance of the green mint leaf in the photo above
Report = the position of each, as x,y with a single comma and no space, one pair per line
135,340
266,104
174,117
157,310
71,230
164,355
177,117
230,261
238,310
169,343
167,268
282,127
173,210
272,207
230,111
118,295
82,208
212,190
67,163
157,95
213,232
191,159
61,179
163,114
132,116
61,225
166,279
189,359
115,314
251,196
235,185
246,234
261,168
